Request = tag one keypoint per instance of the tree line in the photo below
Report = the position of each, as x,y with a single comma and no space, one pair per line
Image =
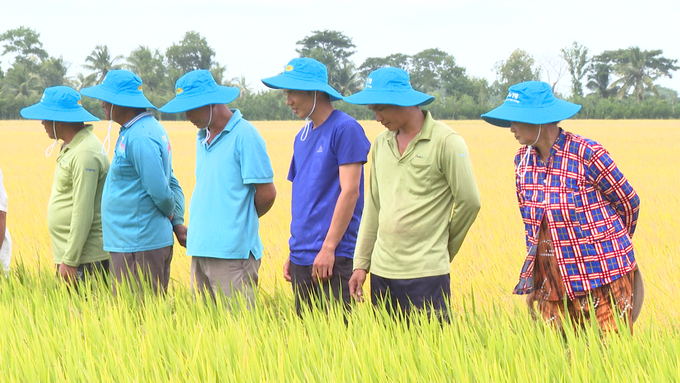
616,84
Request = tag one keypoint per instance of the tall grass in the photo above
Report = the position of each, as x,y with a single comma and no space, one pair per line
51,335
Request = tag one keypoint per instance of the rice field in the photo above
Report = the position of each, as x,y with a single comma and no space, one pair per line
49,335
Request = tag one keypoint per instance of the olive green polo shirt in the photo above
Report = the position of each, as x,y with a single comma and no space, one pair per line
420,204
74,215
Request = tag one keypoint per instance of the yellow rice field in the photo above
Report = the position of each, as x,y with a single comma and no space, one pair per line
487,265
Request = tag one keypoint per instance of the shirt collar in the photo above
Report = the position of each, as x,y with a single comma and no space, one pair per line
559,143
426,130
137,118
78,138
235,118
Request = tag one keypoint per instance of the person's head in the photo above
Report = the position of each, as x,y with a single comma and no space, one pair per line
389,94
529,109
60,110
305,82
195,94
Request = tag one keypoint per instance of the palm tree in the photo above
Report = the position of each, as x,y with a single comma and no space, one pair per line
83,81
101,62
243,85
638,69
346,80
21,83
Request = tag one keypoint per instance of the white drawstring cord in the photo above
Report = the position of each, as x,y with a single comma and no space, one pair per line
107,140
306,129
50,149
207,128
524,161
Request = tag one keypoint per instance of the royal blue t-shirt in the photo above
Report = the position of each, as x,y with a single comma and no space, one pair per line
314,172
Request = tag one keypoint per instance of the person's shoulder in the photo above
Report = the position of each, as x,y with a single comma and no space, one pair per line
342,121
580,145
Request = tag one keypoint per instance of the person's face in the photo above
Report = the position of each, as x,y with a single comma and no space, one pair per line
300,101
48,128
524,133
390,116
107,110
199,116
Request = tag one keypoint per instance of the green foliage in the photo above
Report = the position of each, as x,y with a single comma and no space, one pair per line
519,67
638,69
333,49
101,62
576,57
193,52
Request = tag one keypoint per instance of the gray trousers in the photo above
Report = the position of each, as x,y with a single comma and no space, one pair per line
143,269
227,277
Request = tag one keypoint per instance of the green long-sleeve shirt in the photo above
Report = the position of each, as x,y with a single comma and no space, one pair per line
74,212
420,205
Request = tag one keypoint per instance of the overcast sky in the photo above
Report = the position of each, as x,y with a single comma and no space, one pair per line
257,38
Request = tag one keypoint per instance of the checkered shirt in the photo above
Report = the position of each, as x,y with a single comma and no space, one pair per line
590,208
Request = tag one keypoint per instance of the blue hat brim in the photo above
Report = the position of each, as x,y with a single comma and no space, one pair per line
223,95
120,99
40,112
507,113
400,98
283,81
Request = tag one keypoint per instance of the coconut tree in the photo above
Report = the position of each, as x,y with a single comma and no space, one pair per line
21,83
638,69
101,62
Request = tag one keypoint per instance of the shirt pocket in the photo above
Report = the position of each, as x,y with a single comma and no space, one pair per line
591,224
121,168
418,176
63,179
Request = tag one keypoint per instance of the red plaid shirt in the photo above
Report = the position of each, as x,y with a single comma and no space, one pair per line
590,208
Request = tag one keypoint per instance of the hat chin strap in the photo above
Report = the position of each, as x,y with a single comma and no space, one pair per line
207,128
50,149
107,140
525,158
307,127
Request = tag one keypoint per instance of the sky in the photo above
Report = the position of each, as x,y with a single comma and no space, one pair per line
257,38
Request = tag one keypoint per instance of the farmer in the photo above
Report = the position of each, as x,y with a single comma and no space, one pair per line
142,202
579,214
234,186
328,186
5,240
422,200
74,215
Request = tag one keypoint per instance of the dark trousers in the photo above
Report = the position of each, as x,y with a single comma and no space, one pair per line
312,294
96,270
402,296
151,268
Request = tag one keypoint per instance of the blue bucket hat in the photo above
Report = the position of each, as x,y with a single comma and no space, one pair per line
303,74
531,102
58,103
390,86
120,87
198,88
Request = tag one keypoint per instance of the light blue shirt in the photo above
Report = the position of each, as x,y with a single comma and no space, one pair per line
140,192
224,222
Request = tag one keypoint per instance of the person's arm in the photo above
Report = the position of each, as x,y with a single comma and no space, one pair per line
606,176
3,226
350,180
265,194
457,169
86,170
143,153
177,218
368,233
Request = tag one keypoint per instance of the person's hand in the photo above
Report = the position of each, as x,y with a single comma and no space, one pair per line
531,298
286,270
356,283
322,269
69,273
181,234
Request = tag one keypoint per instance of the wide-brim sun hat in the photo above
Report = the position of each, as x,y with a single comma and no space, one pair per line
59,103
120,87
389,86
531,102
196,89
304,74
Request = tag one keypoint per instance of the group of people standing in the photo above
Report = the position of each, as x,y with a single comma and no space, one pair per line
578,209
